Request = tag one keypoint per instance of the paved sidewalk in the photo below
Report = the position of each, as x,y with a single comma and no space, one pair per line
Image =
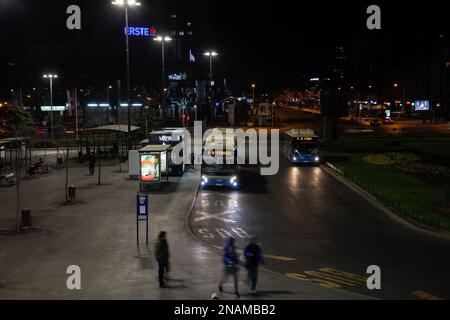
98,234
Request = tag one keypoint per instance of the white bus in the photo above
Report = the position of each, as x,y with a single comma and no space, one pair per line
301,146
223,172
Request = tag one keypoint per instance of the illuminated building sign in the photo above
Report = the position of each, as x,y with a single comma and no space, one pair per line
422,105
165,138
54,108
178,76
141,31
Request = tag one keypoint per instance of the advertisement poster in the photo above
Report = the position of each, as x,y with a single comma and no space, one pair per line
164,163
150,168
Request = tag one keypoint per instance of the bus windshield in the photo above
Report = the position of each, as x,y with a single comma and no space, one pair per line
219,169
305,147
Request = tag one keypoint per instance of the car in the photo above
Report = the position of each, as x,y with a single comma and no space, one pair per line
370,122
388,121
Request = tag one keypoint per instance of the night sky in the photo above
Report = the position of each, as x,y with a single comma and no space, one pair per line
262,41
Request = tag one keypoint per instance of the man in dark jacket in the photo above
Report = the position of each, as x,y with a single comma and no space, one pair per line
162,256
231,265
254,257
92,161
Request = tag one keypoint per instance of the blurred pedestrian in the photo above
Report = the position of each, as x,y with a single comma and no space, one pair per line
92,161
253,257
162,256
231,265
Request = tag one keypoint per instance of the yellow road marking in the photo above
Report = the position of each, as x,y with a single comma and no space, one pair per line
348,275
320,282
426,295
270,256
329,278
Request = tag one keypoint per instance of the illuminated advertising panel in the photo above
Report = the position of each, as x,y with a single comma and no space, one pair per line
150,168
422,105
140,31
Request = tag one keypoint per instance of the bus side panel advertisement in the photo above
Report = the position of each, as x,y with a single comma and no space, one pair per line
164,163
150,168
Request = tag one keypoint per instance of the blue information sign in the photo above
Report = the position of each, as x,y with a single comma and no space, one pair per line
142,204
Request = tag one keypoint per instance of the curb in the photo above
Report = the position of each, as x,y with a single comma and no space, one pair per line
338,174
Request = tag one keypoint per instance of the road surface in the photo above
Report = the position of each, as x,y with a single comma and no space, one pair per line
314,228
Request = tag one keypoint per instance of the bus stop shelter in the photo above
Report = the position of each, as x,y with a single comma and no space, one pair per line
153,160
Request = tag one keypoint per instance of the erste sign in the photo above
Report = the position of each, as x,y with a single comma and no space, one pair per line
140,31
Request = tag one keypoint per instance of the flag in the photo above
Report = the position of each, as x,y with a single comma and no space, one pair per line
191,56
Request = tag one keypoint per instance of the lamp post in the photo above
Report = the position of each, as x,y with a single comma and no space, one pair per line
51,77
126,4
163,41
253,92
211,55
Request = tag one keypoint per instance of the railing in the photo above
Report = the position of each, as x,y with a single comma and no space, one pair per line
431,221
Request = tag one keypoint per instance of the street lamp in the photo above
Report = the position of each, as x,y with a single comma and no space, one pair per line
51,77
253,90
163,41
126,4
211,55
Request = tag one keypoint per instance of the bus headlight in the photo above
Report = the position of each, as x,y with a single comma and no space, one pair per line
205,179
294,158
232,180
317,159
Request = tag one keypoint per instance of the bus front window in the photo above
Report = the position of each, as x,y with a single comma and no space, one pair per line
305,148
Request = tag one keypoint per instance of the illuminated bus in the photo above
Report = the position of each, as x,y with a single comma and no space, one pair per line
301,146
223,171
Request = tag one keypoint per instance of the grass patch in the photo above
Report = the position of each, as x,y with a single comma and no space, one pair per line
406,193
432,146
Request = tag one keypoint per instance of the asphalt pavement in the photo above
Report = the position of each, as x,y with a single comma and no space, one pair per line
314,228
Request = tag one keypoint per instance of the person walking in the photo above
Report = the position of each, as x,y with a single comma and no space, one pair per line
92,161
231,265
162,256
253,257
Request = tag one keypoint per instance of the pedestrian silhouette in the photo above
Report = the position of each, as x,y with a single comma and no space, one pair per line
162,256
92,161
231,265
253,257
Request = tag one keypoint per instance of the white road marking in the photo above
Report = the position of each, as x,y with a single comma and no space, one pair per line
224,233
241,233
207,216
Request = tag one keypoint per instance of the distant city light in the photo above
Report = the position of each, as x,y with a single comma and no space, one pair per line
50,76
129,3
161,39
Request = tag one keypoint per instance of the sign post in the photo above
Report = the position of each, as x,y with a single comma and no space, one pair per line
142,214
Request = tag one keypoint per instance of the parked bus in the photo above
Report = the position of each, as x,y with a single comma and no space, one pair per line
301,146
223,171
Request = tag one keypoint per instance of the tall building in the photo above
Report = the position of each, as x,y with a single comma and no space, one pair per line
339,65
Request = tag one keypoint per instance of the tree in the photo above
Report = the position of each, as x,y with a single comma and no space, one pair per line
17,122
